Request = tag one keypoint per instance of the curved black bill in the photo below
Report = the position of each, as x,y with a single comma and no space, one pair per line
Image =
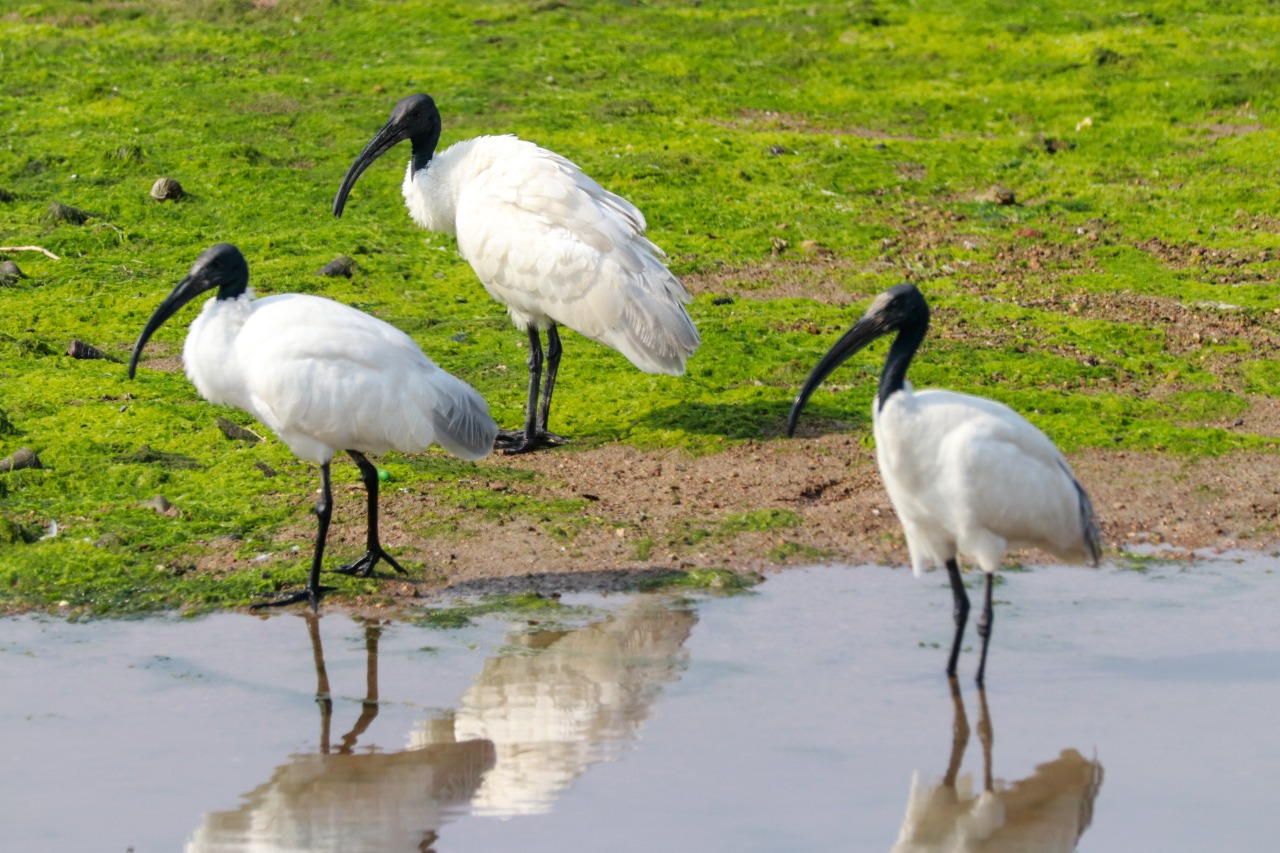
863,332
187,289
382,142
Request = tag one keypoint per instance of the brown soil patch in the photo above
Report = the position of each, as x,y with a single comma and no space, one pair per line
1190,255
646,513
1187,328
796,123
821,277
165,364
1216,131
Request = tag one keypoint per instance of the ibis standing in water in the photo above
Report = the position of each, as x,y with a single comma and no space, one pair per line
966,475
324,377
546,241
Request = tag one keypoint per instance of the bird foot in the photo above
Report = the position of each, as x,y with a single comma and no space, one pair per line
308,594
513,442
363,567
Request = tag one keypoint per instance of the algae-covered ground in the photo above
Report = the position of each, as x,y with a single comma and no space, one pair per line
1086,193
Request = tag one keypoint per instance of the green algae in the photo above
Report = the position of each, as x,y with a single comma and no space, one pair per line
841,147
525,604
703,580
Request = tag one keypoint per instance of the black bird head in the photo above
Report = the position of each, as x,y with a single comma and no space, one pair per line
414,118
899,309
221,266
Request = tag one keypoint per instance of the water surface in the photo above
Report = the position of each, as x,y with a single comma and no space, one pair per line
1131,710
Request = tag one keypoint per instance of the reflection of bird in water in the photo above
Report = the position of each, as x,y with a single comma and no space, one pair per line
538,715
338,800
1048,811
563,700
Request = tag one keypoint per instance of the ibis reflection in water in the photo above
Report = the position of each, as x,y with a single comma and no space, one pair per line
337,799
546,241
966,475
554,703
323,377
1046,812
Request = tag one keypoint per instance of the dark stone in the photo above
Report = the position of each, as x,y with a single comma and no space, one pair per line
59,212
236,432
23,457
341,265
79,349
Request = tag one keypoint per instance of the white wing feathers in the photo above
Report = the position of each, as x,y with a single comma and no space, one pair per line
970,475
461,418
554,246
326,377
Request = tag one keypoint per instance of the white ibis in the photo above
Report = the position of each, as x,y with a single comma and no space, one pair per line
546,241
966,475
323,377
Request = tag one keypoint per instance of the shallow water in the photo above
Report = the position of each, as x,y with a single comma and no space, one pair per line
1136,708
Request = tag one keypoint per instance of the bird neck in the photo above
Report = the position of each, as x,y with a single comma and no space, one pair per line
424,148
209,353
233,289
904,347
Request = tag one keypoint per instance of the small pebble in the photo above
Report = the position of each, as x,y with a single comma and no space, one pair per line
997,194
236,432
59,212
167,189
9,272
160,503
79,349
23,457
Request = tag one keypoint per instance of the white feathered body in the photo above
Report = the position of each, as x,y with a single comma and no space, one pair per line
325,377
970,476
554,246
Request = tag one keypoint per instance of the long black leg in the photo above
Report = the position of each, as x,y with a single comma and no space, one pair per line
549,384
374,552
535,380
984,626
324,511
535,433
511,441
961,613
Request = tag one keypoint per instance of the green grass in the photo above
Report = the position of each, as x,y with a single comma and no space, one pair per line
839,145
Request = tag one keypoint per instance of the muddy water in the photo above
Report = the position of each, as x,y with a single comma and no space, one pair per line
1125,710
